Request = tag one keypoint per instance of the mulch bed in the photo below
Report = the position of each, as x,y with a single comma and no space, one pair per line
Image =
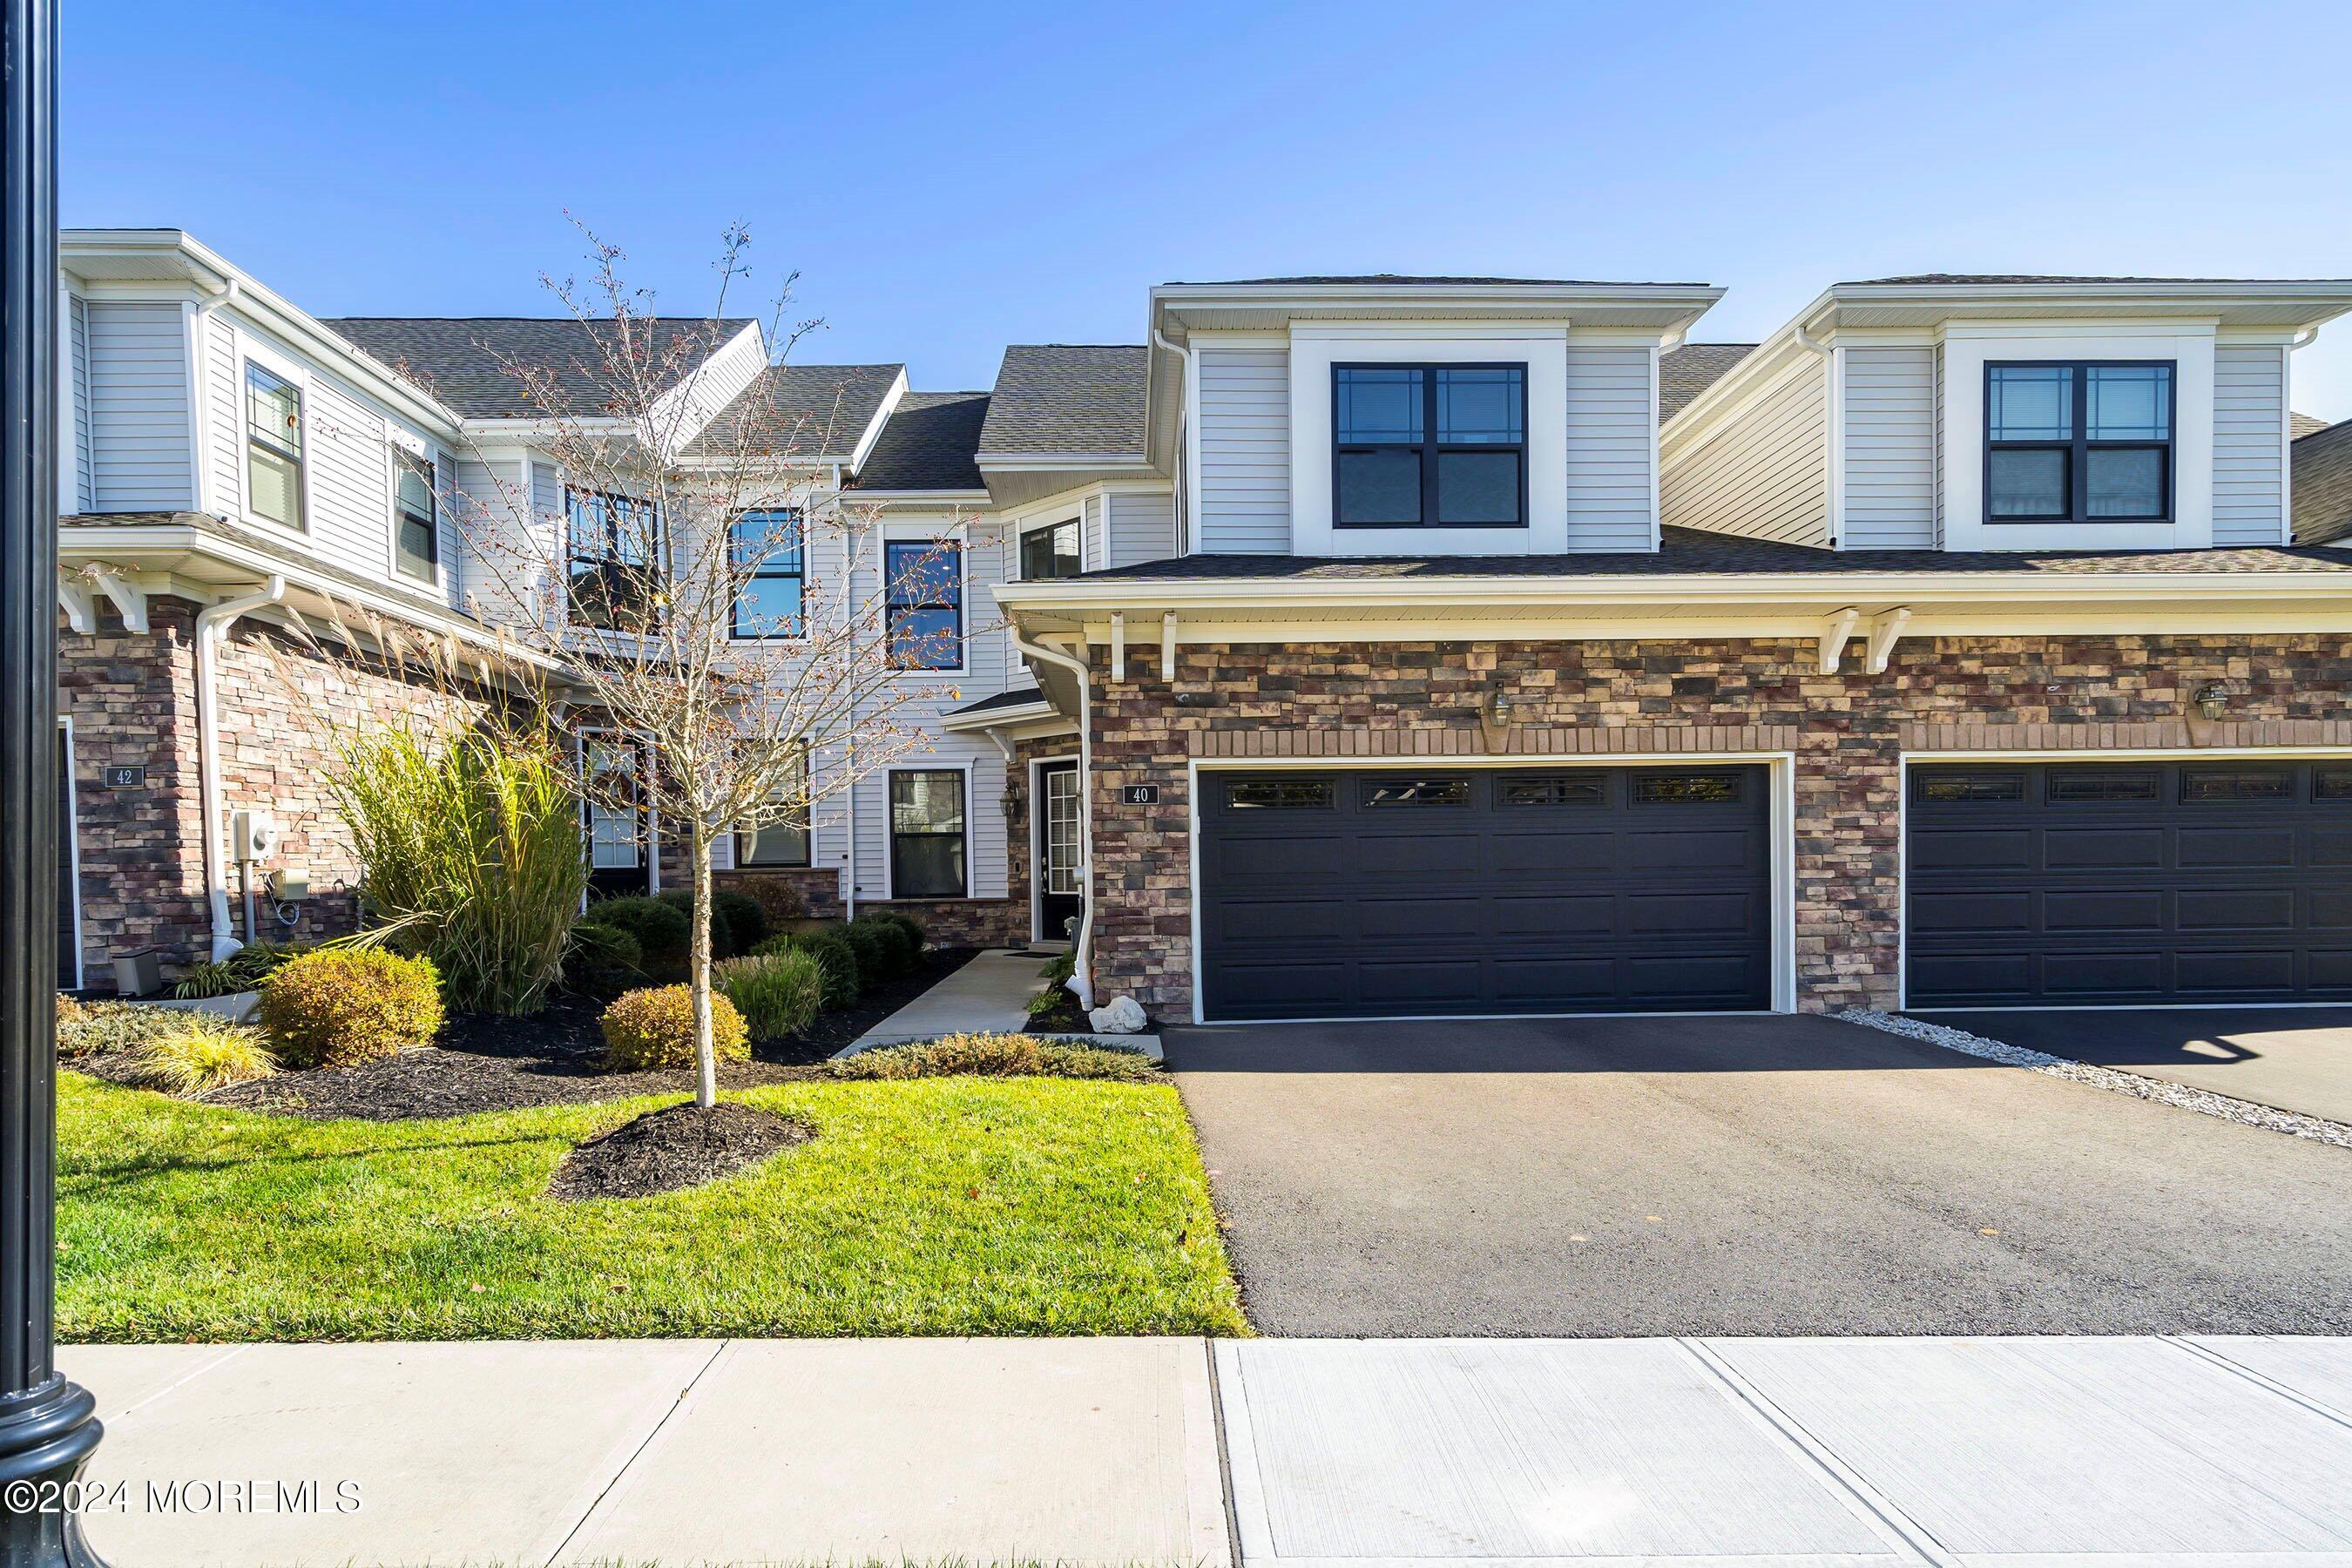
1067,1017
676,1147
483,1062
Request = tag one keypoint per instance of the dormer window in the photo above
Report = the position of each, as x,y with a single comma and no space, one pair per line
273,447
1429,446
2088,441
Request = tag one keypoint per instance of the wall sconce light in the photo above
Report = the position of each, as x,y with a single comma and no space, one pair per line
1495,715
1015,803
2212,700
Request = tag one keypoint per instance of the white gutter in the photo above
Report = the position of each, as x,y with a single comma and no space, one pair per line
1082,969
212,627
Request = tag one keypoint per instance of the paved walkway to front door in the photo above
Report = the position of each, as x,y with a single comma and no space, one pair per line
988,996
1737,1176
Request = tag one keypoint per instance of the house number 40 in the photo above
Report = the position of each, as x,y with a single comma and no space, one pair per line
1138,794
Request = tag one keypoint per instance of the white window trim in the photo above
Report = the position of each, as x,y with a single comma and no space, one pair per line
1316,347
808,575
928,765
958,534
1967,345
249,349
408,441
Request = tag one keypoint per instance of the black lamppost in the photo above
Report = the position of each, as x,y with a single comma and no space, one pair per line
47,1427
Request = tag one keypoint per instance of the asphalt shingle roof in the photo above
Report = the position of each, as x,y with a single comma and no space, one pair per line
801,410
2321,483
1075,399
929,444
2301,425
1685,372
1020,699
462,360
1689,551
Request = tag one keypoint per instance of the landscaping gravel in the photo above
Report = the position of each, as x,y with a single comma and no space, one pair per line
484,1062
676,1147
2205,1102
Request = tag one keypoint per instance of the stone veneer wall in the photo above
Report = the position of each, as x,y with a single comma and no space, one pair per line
1847,732
132,701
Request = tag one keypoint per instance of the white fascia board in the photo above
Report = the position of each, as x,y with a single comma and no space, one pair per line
995,717
882,411
1009,460
1275,595
266,308
914,497
1562,297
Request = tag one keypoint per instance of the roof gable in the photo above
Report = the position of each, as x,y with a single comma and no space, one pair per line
930,442
820,412
464,361
1068,400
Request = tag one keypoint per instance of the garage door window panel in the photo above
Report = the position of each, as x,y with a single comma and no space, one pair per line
1280,795
1417,792
2236,784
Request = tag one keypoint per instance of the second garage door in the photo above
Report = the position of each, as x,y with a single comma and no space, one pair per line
1402,893
2125,883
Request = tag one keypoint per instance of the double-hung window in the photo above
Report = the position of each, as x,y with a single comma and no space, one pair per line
782,843
926,849
416,516
771,570
1429,446
2086,441
924,600
612,542
273,447
1050,552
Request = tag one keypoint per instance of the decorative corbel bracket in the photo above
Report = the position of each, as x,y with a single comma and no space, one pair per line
82,610
1168,646
1834,633
1886,631
1119,645
129,598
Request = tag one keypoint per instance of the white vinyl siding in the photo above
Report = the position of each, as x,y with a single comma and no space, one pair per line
927,698
1142,526
492,537
78,335
139,422
1764,474
2249,424
1094,545
1890,448
224,413
1243,507
1612,409
1940,443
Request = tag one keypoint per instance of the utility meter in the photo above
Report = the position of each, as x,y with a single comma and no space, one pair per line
251,835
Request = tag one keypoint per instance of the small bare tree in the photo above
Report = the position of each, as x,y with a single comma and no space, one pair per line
746,713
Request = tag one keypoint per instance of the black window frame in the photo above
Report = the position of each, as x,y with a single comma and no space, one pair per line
284,451
768,570
427,467
2079,444
893,607
1429,448
962,835
621,579
1047,532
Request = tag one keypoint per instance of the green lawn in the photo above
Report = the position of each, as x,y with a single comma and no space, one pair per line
938,1206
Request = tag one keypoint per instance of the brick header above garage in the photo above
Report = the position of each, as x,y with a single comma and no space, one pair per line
1847,735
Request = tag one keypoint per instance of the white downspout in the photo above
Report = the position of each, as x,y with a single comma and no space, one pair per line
212,627
1082,967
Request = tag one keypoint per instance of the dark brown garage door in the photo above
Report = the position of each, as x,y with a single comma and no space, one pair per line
2113,883
1407,893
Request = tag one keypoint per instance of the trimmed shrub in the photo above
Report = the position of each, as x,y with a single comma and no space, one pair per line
602,959
778,993
203,1052
341,1006
834,955
1060,967
662,930
653,1028
722,935
880,949
747,922
86,1028
995,1055
907,923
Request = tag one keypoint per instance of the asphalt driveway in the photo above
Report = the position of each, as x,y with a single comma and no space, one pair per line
1739,1175
2296,1059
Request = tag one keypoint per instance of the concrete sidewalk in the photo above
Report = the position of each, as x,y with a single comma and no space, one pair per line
988,996
1993,1453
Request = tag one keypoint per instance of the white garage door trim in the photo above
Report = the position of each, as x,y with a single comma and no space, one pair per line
2089,755
1779,769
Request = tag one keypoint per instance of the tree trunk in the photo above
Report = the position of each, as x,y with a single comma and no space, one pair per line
705,1055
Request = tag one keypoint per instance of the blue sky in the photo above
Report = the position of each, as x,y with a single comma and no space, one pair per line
951,177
